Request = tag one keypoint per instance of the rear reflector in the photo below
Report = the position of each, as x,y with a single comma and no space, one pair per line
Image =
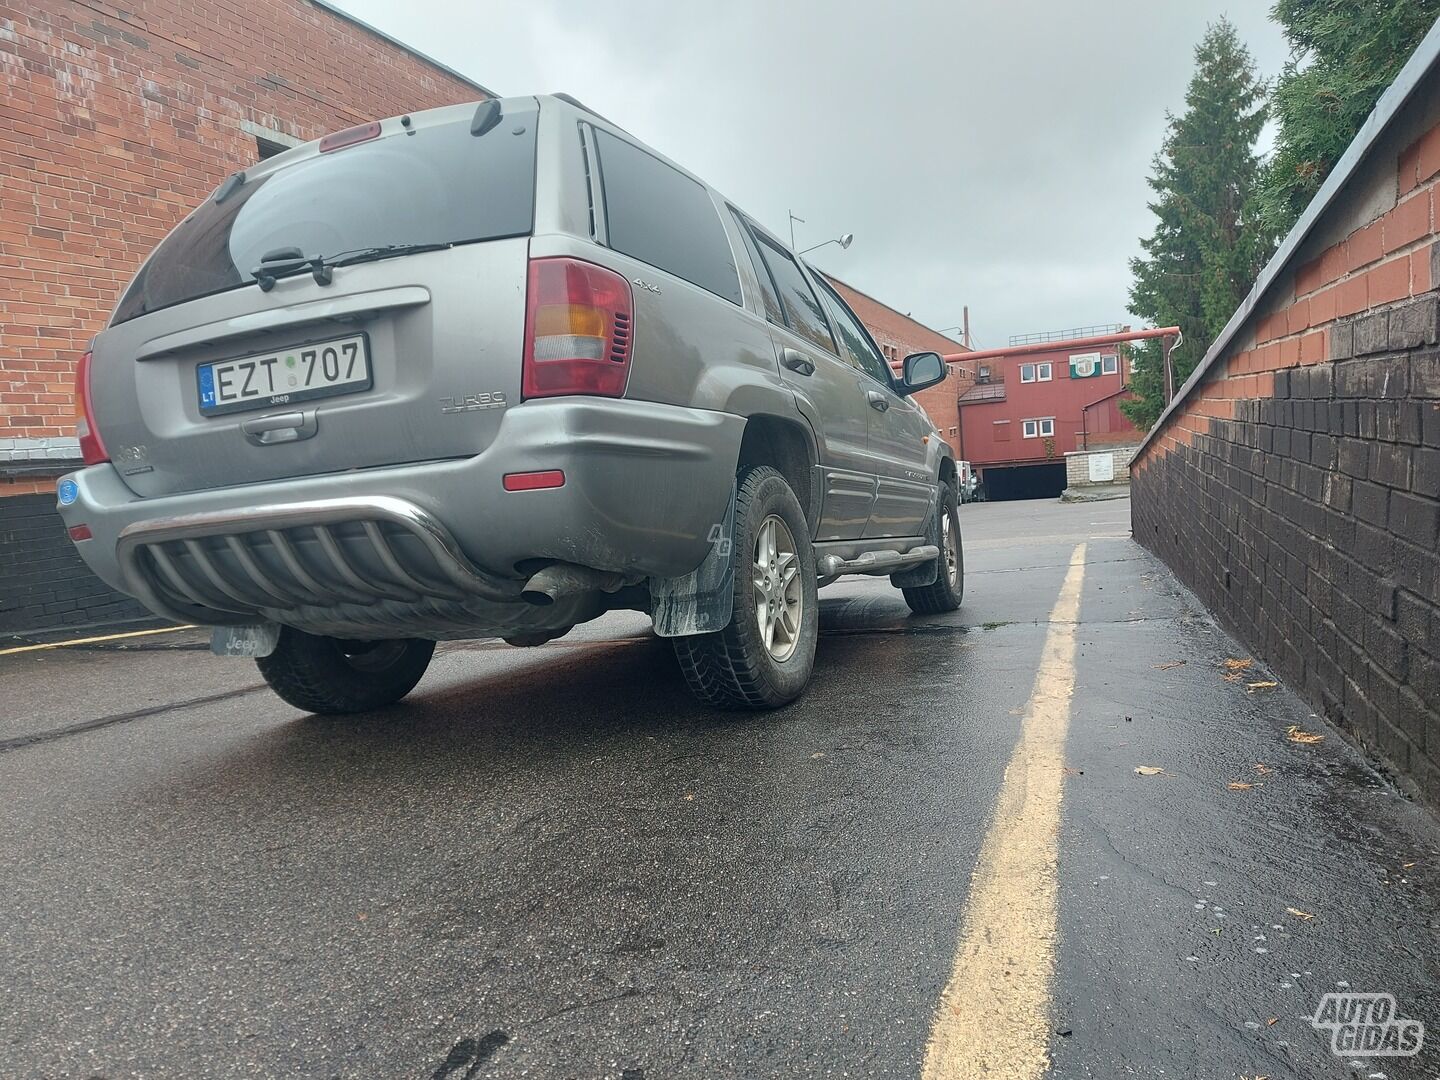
534,481
338,140
80,532
577,330
92,449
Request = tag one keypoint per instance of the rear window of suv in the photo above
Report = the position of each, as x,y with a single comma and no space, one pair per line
440,185
657,214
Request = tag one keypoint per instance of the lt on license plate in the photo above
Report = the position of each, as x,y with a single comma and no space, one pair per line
319,369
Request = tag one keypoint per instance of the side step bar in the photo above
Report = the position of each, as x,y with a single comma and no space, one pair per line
877,562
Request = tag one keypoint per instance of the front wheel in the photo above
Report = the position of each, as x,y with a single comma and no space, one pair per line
948,588
764,657
327,675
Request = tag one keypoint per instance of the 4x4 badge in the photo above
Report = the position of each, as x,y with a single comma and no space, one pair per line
645,285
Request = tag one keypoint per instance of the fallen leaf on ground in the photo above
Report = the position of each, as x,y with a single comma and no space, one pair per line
1406,866
1263,770
1231,664
1167,667
1261,685
1239,785
817,755
1070,771
1294,734
1149,770
1271,1022
1299,914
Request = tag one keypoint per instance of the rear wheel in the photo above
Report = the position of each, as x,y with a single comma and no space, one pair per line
764,657
327,675
948,588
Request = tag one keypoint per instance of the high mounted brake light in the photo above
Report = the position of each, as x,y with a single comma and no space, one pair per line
92,448
338,140
577,330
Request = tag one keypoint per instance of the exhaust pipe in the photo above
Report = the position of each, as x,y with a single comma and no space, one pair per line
561,580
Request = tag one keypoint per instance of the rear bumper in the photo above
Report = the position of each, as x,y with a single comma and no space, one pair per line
644,484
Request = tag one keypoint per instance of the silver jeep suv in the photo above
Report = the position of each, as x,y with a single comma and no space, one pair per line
494,370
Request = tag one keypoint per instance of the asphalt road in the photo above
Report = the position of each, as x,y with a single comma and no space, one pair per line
551,863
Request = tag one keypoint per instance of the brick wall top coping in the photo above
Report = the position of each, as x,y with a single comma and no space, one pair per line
1412,76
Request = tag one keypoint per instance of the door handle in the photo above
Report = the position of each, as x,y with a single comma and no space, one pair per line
795,360
877,400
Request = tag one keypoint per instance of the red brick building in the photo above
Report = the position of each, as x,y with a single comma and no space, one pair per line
898,336
117,117
1030,405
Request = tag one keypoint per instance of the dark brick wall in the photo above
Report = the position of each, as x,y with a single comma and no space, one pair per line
1309,523
43,583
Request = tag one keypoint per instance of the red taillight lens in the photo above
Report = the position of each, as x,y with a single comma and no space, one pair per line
577,330
338,140
92,449
80,532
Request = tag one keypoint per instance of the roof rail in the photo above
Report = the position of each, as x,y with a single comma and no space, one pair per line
571,100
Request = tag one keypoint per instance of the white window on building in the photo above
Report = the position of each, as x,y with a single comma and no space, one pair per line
1045,371
1038,429
1028,429
1109,365
1047,427
1027,372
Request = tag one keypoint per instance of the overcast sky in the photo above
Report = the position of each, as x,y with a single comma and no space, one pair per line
991,154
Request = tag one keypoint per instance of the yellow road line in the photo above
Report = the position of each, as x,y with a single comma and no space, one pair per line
93,640
994,1015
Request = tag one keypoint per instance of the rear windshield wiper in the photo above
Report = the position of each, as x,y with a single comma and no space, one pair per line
382,251
282,262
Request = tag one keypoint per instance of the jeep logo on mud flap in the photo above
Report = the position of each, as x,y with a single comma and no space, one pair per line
468,402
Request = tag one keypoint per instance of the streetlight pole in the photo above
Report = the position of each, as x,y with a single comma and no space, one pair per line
844,242
793,219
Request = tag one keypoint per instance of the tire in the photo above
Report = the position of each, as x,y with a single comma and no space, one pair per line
948,588
736,668
329,676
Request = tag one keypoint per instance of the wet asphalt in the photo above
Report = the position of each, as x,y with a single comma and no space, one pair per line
552,863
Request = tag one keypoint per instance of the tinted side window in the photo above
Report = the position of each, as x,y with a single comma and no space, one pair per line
767,287
858,347
803,313
660,216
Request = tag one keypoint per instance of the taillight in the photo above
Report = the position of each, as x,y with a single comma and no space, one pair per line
577,330
92,449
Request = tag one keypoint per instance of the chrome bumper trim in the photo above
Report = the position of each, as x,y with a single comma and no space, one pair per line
167,565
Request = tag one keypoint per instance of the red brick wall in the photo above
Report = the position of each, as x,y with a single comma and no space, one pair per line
1296,488
1380,263
899,336
118,117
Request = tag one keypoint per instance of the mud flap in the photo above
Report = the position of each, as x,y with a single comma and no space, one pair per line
258,640
702,601
926,572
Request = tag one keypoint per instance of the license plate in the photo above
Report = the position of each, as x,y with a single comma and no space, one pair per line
319,369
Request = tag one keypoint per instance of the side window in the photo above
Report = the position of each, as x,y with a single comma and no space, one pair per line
855,343
803,313
773,311
660,216
1027,372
